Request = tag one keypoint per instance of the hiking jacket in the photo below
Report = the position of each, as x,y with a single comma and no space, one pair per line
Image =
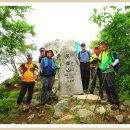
28,71
48,67
107,59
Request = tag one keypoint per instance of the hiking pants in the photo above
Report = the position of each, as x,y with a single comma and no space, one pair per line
85,74
26,86
95,74
111,91
47,83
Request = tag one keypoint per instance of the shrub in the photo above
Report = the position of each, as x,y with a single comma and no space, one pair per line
2,88
14,113
123,86
14,93
15,79
7,105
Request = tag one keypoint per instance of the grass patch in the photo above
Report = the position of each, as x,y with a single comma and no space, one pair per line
2,117
77,117
52,110
14,93
14,113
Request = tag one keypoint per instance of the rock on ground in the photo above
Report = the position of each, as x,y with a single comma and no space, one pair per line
122,107
127,103
89,97
120,118
34,102
67,118
86,116
60,107
101,110
31,116
57,115
129,118
92,107
76,108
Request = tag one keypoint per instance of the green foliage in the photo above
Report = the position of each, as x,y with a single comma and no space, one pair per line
14,80
123,86
7,105
14,113
13,34
2,117
13,94
52,110
93,43
77,118
2,88
56,62
116,31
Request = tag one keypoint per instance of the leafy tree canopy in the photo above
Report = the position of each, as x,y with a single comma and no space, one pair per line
14,31
116,30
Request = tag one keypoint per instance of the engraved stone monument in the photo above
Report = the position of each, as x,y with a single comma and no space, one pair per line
69,74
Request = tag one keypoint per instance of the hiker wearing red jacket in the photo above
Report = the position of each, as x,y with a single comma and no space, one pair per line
96,71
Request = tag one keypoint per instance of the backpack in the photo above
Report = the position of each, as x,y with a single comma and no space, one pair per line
88,54
117,66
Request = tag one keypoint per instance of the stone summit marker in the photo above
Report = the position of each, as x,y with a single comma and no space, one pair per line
69,73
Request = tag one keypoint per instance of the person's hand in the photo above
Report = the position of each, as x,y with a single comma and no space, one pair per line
35,77
58,66
21,77
96,58
109,66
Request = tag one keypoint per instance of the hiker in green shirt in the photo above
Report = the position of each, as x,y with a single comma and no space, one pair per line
107,67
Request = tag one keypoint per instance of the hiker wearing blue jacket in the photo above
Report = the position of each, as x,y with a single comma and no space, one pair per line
48,70
84,58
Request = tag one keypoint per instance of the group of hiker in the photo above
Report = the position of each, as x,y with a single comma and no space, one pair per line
100,64
103,63
28,73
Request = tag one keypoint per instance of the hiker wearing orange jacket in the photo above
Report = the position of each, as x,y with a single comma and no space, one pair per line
28,74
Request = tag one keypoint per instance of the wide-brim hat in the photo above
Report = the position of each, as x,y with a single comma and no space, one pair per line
49,50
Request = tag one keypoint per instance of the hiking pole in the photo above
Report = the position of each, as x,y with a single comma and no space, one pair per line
101,87
91,83
37,88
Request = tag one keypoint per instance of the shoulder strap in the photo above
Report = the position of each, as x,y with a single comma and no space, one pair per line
88,53
23,65
79,55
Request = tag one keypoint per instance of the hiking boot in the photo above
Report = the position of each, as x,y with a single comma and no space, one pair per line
26,107
114,107
17,105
